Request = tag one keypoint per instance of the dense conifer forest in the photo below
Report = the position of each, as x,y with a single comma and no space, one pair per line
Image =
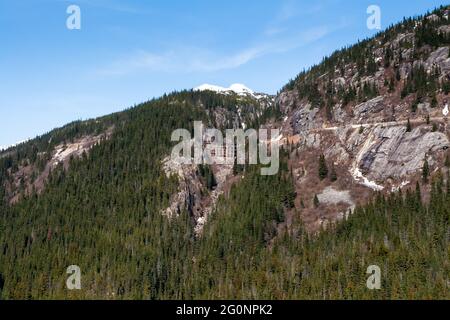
104,215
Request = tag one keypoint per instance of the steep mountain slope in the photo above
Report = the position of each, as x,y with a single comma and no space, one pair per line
92,194
376,111
366,122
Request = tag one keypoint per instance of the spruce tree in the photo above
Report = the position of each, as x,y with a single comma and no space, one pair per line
316,201
434,127
425,171
434,102
323,169
408,126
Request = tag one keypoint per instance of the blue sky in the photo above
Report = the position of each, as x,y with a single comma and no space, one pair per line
129,51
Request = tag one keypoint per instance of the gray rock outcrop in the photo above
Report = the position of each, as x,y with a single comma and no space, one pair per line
395,153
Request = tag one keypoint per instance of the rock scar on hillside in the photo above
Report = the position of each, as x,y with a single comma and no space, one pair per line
191,195
61,155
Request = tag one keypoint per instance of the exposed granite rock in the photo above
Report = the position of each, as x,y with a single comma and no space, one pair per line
395,153
221,175
332,196
354,79
339,115
312,140
286,100
407,54
433,17
191,196
372,106
439,58
337,152
424,107
339,81
444,29
405,70
189,188
304,118
402,37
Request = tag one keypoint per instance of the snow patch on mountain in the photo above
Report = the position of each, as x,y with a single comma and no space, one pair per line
358,176
240,89
237,88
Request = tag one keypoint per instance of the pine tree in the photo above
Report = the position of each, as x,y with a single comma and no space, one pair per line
397,74
323,169
434,102
316,201
211,180
425,171
434,127
408,126
391,85
414,107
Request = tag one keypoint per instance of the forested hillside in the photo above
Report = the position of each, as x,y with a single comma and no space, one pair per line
396,58
409,241
103,212
127,249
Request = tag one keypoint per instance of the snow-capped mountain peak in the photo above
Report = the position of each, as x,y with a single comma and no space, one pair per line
237,88
240,88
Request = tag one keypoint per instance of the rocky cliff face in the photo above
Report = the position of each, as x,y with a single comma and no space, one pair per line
378,156
377,113
193,195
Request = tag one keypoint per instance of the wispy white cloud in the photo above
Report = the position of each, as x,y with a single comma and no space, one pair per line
209,63
276,38
182,59
189,59
196,59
